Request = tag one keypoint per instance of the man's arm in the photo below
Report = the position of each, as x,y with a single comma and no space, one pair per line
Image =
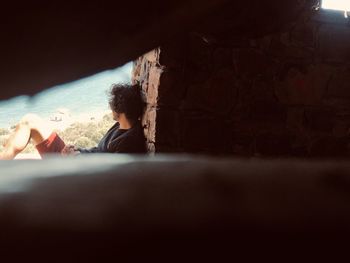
91,150
72,150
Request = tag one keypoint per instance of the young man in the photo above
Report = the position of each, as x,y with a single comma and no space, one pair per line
125,136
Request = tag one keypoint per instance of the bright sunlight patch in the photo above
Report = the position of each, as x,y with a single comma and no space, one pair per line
343,5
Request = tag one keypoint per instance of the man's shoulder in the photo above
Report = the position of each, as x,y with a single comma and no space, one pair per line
114,127
131,136
132,140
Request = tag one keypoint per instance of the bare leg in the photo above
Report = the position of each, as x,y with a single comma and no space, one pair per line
30,127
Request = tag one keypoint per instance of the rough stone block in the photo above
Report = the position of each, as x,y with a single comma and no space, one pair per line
341,129
276,48
275,87
262,89
339,85
151,148
328,146
218,94
262,110
242,144
206,135
303,86
263,103
264,43
149,123
250,62
334,43
320,119
172,88
173,55
295,119
200,57
136,71
303,34
143,69
273,144
151,87
222,58
153,56
295,54
168,129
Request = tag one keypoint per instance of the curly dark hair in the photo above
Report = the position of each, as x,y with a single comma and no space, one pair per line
127,99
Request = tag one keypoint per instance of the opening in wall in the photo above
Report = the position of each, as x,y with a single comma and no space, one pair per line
343,5
78,112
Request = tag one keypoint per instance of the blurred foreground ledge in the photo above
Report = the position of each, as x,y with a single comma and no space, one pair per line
93,206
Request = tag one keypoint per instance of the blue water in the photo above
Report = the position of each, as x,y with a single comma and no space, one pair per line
82,96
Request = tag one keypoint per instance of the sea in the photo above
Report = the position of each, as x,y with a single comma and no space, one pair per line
84,96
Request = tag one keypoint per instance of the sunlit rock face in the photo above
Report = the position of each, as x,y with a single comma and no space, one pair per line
278,94
147,72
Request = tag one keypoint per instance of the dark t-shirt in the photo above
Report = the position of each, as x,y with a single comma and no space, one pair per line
121,141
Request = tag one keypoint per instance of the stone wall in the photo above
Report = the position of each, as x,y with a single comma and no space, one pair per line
285,94
147,72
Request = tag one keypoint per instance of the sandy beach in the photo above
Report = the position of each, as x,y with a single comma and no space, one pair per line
63,118
59,122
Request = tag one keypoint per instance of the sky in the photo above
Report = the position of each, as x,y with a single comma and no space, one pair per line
88,95
336,4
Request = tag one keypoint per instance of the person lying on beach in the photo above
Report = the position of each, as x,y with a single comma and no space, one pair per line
125,136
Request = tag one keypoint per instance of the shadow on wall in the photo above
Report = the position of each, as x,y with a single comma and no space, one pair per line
278,95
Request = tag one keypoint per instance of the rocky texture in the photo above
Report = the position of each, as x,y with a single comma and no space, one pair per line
284,94
147,71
